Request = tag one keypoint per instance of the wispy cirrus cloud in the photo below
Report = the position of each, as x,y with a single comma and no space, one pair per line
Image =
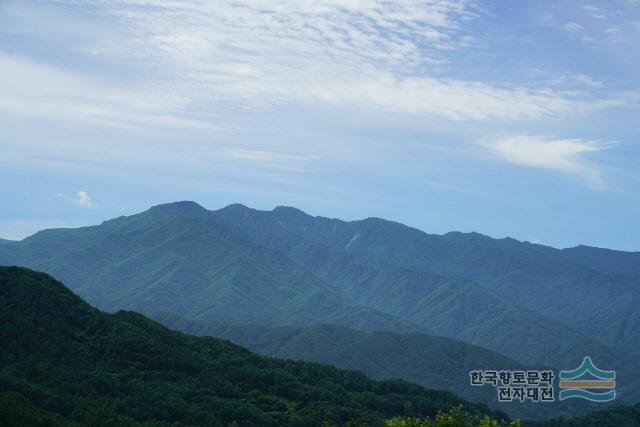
569,79
565,155
270,159
247,55
369,54
35,89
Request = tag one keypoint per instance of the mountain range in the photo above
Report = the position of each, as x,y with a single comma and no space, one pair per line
297,281
553,283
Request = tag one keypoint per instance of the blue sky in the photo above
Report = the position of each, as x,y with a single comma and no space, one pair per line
507,118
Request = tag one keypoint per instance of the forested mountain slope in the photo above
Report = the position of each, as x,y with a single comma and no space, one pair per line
547,281
283,267
171,258
64,361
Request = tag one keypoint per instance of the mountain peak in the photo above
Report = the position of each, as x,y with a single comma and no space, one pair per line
236,207
182,208
291,216
289,210
233,211
471,236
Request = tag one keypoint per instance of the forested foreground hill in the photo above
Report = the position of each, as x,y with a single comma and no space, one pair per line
66,363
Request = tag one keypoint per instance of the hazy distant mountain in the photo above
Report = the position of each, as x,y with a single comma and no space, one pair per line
434,362
351,255
65,363
605,260
545,280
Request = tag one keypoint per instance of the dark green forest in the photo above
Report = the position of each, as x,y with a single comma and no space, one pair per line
617,416
64,362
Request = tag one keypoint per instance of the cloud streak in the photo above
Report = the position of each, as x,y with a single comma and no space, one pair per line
269,159
557,154
34,89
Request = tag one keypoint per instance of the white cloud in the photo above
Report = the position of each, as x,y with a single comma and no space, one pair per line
34,89
81,199
594,11
573,27
449,98
588,80
581,79
238,55
213,63
558,154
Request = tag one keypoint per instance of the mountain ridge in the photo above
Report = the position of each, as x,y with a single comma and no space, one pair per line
284,267
514,269
265,228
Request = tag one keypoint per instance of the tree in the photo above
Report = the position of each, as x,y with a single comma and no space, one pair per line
457,417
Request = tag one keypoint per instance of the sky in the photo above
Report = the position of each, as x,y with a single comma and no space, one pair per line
515,119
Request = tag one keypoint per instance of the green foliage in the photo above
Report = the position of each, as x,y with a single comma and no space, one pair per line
456,417
64,362
16,411
616,416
